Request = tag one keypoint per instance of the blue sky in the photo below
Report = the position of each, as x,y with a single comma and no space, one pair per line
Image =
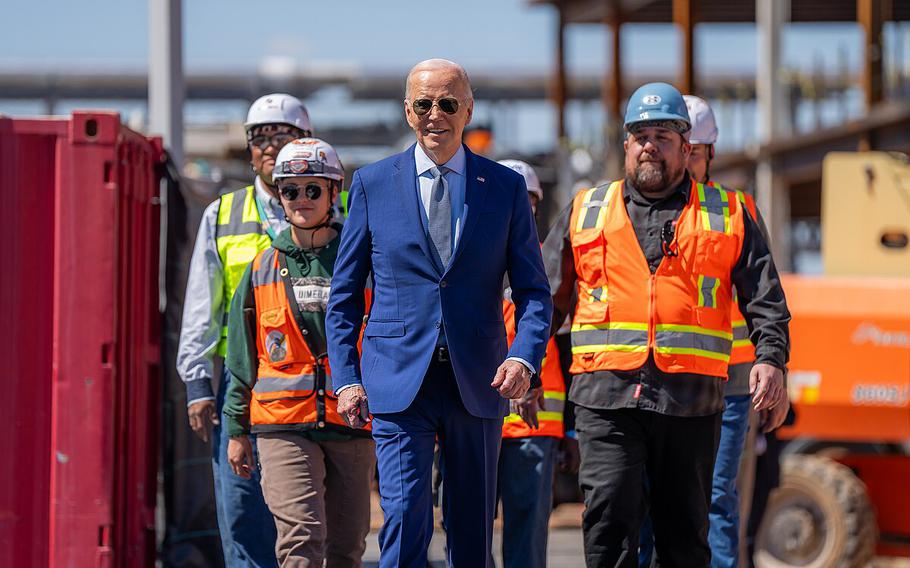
388,36
373,35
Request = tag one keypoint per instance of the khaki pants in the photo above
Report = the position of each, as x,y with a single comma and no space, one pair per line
319,494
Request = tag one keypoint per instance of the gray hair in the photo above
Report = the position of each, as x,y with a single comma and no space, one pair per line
435,64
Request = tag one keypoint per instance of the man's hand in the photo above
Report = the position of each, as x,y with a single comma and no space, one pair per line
202,416
569,456
766,383
240,456
772,418
512,379
353,406
528,405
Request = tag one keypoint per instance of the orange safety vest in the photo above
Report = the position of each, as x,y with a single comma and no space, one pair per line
681,313
743,351
550,419
292,387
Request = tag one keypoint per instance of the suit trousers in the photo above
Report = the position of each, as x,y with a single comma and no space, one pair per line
319,494
619,449
469,452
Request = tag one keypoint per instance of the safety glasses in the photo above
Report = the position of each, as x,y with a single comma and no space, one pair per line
447,105
277,140
291,191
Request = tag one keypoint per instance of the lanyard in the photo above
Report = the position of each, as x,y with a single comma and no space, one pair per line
264,218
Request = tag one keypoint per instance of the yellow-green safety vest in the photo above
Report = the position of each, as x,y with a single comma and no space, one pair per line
239,237
343,195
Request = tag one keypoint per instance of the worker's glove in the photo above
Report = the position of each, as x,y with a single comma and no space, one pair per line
528,405
512,379
202,416
240,456
353,406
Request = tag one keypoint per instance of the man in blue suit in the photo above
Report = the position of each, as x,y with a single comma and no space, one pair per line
438,228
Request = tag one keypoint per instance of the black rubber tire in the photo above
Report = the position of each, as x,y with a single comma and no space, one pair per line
819,517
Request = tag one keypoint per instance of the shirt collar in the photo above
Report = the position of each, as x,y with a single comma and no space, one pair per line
629,192
455,164
264,194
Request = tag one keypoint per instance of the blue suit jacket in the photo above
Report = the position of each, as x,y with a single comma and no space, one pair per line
385,235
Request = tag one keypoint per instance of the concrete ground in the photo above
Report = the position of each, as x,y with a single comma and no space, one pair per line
563,551
564,547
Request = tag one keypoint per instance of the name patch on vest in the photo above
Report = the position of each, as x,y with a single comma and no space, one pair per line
312,294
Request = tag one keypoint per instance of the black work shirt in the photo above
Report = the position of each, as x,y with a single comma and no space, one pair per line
761,299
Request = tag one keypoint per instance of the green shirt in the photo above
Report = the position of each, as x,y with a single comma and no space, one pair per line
310,274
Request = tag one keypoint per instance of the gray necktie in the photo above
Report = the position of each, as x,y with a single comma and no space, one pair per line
440,215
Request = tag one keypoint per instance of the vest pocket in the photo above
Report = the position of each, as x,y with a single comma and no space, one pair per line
589,248
592,305
714,248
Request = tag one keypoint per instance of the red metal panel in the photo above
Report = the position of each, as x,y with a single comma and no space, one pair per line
27,163
106,336
83,389
79,302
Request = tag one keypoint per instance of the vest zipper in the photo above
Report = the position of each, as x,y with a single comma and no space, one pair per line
652,293
320,390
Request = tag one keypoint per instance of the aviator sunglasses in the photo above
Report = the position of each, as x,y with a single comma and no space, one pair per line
447,105
291,191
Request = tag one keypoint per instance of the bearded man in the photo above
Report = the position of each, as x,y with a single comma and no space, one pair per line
647,266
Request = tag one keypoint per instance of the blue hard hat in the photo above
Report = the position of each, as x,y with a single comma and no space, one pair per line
657,104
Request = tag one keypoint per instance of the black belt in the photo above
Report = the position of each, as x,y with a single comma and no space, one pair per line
441,354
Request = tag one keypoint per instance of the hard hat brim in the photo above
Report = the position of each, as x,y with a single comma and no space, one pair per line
658,116
247,126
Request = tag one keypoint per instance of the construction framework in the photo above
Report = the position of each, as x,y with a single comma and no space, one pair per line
780,162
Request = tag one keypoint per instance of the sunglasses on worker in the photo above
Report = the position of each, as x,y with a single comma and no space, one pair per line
447,105
278,140
291,191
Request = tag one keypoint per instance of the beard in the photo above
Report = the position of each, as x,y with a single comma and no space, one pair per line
652,177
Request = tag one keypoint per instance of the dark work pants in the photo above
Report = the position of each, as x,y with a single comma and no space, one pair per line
618,448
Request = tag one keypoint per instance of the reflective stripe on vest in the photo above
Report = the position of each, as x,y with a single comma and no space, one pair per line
681,313
290,387
715,209
628,337
282,384
550,419
238,237
743,351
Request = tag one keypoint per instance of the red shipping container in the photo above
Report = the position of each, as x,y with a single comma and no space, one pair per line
80,293
27,163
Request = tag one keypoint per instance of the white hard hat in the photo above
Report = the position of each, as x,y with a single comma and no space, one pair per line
704,128
308,157
528,173
279,108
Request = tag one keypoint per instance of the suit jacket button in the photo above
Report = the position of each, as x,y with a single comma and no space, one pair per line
304,332
443,284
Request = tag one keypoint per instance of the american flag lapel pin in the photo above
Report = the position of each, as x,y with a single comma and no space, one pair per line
480,179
